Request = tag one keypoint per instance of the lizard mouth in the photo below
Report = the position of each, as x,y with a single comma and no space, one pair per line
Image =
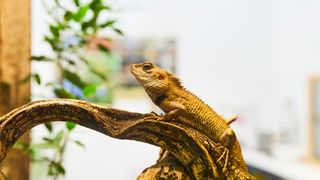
134,70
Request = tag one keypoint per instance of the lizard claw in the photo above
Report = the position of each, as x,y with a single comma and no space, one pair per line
153,113
225,154
157,118
154,116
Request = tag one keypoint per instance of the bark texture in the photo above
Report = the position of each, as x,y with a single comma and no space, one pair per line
190,154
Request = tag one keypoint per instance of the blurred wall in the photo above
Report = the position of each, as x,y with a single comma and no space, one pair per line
251,58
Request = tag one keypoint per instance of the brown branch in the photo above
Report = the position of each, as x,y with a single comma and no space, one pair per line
193,151
167,168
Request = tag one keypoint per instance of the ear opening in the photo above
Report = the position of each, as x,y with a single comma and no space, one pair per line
160,77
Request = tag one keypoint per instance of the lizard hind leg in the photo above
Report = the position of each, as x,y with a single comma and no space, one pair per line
163,152
226,155
227,139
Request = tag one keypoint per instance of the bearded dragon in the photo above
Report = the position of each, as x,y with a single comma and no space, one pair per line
167,92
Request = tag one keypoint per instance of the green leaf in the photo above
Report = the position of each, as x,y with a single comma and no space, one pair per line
104,7
99,74
108,23
49,40
85,26
60,169
52,171
58,137
76,2
70,125
44,145
90,90
37,78
78,16
103,48
79,143
56,169
47,139
53,84
34,76
26,147
41,58
91,23
52,42
63,93
118,31
82,41
49,126
83,59
95,5
71,62
67,15
74,79
55,31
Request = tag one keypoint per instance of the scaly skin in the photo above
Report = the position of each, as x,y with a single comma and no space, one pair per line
180,105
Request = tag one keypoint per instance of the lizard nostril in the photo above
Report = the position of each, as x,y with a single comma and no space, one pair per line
133,66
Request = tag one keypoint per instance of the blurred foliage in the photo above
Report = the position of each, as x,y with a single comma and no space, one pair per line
71,31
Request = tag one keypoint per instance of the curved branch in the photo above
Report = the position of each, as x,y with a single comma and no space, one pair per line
167,167
193,150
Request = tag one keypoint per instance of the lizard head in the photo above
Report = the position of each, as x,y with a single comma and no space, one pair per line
154,79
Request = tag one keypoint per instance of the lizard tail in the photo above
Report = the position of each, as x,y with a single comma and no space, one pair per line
231,119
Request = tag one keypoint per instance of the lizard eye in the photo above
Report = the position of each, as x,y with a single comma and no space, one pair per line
147,67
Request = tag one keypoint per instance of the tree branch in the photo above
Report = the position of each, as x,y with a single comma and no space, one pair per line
195,154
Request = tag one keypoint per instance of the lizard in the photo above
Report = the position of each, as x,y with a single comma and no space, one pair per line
168,93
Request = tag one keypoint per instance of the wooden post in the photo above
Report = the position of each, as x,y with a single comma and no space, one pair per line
14,67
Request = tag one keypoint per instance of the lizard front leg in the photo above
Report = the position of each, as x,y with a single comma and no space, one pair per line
174,110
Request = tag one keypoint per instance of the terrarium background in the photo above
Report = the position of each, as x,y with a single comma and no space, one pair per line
251,58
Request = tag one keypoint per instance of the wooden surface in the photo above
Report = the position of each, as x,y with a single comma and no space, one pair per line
14,66
314,81
195,155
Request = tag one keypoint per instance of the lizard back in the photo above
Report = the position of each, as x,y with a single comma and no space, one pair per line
201,117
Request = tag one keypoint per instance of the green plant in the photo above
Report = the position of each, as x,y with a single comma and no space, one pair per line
72,30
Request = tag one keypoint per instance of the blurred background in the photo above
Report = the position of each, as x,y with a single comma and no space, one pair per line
259,60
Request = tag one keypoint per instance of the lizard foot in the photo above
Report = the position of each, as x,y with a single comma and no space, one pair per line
162,154
225,156
154,116
154,113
